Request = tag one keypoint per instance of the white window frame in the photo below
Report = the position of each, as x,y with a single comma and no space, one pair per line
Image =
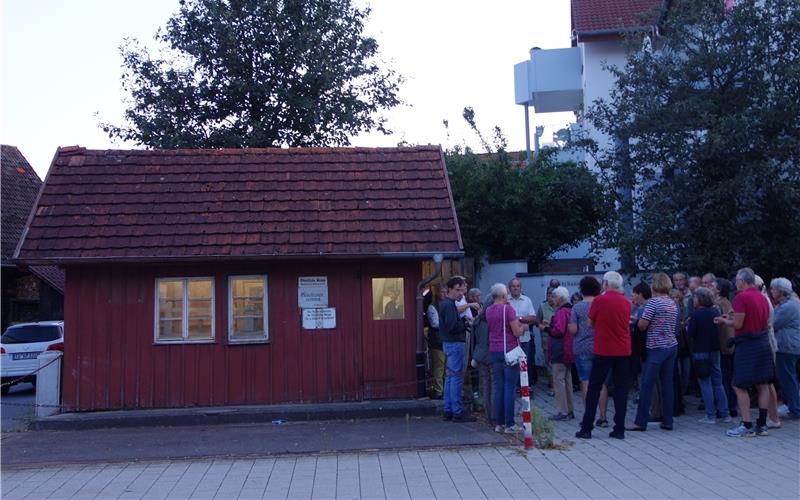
261,339
185,311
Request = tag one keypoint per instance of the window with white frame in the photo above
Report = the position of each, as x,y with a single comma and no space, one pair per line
185,309
247,309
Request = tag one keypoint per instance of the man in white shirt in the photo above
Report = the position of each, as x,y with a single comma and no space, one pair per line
525,313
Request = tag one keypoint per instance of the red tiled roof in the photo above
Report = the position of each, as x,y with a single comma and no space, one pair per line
52,275
20,186
597,15
242,203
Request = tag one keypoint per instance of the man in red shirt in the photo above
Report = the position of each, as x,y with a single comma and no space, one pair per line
753,364
609,314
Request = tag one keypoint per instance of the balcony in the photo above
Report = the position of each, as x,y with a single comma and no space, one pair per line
550,81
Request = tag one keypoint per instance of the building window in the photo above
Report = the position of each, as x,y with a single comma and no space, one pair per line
185,310
247,309
387,299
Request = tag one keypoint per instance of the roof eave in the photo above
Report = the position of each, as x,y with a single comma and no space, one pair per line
63,261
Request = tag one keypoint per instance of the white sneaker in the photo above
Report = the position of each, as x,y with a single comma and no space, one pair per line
499,428
514,429
771,424
727,419
783,410
707,420
741,431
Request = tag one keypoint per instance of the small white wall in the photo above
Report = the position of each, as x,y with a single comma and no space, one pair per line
498,272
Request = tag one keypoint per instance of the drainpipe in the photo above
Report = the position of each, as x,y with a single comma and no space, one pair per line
420,359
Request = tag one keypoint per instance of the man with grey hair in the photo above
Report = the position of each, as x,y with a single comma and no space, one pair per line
523,307
753,364
609,314
787,333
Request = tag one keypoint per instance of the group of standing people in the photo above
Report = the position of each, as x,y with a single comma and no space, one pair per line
668,329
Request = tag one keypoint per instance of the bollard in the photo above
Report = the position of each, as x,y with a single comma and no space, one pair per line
48,384
526,403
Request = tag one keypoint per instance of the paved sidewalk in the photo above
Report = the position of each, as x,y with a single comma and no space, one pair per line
693,461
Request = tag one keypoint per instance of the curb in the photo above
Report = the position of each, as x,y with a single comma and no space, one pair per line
220,415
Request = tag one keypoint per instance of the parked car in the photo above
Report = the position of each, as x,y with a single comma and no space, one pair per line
21,344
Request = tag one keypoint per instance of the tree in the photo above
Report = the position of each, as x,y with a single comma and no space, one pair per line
706,162
507,210
256,73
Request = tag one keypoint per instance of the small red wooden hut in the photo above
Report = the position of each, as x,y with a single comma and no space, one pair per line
255,276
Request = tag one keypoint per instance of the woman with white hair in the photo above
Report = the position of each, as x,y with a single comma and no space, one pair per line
504,332
787,335
560,353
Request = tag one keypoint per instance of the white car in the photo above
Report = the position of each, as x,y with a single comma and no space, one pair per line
21,344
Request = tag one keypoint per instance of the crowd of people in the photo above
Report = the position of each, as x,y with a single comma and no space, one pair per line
737,344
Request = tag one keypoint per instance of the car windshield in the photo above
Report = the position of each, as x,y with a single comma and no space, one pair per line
30,333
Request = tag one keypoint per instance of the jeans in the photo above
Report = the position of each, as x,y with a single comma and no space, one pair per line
660,363
619,366
583,362
711,387
726,363
454,378
786,365
505,379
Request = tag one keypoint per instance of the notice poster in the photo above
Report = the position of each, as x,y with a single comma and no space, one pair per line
312,292
319,319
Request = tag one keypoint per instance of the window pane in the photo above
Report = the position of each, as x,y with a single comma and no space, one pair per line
172,290
170,329
199,308
200,289
248,307
387,298
200,328
248,326
253,287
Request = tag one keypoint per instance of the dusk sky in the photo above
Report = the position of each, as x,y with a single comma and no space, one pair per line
61,67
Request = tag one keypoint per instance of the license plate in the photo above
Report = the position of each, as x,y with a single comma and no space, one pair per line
25,355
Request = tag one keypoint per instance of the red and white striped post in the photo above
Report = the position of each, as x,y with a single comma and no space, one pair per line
526,403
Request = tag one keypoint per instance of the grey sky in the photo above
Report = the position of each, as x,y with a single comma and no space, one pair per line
61,65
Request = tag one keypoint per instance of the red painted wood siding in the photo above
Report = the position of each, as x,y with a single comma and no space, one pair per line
111,360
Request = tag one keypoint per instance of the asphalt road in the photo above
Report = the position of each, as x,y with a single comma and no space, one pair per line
241,440
17,407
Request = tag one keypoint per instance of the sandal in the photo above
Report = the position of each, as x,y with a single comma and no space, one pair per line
601,423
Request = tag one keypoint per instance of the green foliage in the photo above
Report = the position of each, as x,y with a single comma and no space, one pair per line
507,210
709,128
544,431
256,73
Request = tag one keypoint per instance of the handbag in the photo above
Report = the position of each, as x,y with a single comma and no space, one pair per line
514,355
702,367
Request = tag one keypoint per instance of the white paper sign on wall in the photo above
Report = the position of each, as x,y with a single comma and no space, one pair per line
319,319
312,292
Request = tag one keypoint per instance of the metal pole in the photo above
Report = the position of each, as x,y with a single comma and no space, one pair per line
527,136
526,403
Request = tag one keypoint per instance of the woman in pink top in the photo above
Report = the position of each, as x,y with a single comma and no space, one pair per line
504,332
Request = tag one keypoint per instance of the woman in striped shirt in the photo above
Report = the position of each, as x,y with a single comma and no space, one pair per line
658,321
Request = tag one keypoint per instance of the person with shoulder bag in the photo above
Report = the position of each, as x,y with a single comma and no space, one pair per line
504,333
704,335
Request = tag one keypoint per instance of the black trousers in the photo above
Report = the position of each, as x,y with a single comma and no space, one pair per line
620,369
